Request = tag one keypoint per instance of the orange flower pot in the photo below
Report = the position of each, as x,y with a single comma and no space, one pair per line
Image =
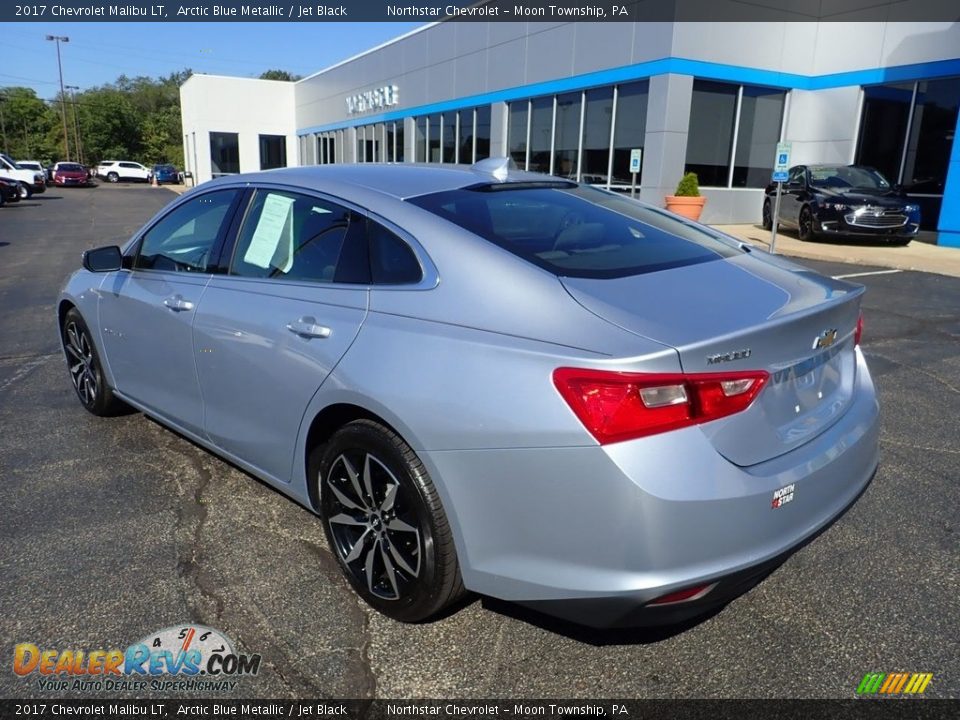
688,207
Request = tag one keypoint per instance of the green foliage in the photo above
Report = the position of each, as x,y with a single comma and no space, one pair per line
131,119
279,75
689,186
31,129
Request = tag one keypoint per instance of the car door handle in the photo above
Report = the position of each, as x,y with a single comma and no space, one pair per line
177,303
307,327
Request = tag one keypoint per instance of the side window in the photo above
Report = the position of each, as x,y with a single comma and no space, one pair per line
184,239
796,176
291,237
392,262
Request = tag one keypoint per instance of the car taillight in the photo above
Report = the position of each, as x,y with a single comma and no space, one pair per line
858,333
617,406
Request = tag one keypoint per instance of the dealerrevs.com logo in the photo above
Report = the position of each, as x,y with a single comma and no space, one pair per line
176,659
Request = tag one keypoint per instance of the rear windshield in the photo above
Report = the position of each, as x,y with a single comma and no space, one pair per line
576,231
70,167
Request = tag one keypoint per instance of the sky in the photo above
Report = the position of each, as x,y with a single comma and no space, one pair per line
99,52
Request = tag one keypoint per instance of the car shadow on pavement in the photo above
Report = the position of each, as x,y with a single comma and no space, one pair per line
598,637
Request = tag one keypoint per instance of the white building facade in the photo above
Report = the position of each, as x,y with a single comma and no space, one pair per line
574,99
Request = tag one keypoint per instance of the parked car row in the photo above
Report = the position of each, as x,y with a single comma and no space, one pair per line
117,170
20,179
27,181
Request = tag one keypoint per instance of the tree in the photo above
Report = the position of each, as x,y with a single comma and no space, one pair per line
279,75
33,129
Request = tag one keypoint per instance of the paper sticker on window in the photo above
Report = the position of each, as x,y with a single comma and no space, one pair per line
272,242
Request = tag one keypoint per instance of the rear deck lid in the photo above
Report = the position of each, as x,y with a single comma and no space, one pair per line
747,313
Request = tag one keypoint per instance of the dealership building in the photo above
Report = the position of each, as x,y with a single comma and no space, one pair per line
575,99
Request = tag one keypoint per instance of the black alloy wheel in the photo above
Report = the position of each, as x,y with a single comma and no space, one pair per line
85,368
767,216
384,522
805,225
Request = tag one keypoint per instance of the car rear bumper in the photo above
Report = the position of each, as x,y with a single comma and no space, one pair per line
593,534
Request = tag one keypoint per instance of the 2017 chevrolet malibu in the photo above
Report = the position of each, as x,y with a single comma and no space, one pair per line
488,380
849,201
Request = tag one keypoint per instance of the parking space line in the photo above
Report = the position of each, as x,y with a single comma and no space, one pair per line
864,274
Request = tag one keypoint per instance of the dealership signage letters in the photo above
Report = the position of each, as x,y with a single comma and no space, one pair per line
377,99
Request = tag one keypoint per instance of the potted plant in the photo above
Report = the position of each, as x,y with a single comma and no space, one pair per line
687,201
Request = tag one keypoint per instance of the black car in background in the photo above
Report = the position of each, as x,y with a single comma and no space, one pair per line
9,191
851,201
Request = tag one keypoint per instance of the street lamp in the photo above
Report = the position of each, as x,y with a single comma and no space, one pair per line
63,105
76,121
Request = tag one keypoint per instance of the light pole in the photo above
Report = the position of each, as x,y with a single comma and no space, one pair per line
76,121
63,104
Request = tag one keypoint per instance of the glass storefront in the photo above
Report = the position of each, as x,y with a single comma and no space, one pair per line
733,133
907,133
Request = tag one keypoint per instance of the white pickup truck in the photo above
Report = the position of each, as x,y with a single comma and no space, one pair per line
31,181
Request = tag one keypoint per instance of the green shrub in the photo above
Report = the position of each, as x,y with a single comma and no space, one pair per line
688,186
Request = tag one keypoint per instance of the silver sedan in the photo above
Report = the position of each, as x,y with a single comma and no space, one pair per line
494,381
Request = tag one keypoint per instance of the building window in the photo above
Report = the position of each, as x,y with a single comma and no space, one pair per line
448,137
883,127
722,115
630,131
907,133
433,139
481,133
761,117
567,136
517,128
273,152
400,148
713,111
541,134
224,153
597,119
931,136
465,136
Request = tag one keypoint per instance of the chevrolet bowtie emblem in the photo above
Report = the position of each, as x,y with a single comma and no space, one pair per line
825,339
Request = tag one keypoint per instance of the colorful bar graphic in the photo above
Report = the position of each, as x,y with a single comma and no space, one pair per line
894,683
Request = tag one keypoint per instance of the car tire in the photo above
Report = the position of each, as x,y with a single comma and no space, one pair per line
85,368
805,225
384,522
113,177
25,191
767,216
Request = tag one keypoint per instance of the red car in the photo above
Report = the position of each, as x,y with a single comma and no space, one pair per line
68,173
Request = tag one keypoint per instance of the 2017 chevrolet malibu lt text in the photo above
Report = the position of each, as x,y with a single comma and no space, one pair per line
482,379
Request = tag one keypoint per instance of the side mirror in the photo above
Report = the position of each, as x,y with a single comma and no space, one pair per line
103,259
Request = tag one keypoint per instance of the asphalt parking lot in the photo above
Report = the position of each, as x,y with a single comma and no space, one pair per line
114,528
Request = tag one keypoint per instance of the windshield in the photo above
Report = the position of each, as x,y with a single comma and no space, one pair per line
165,168
847,176
576,231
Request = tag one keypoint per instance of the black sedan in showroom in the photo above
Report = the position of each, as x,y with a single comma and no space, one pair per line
851,201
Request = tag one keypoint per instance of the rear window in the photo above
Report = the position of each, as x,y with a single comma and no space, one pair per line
576,231
70,167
